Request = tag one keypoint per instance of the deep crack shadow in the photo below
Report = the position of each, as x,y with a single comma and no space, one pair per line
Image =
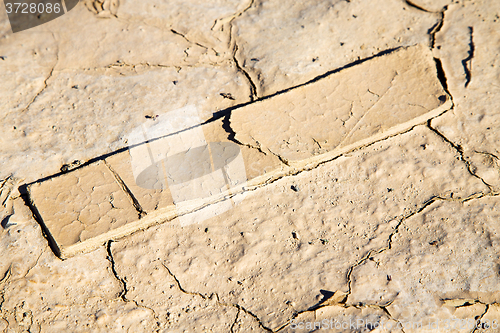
436,28
25,195
442,76
460,151
253,87
141,212
411,4
467,62
123,282
327,295
109,257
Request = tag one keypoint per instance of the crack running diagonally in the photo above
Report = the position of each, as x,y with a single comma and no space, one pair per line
235,321
109,257
460,151
175,32
205,297
478,320
229,19
344,301
44,81
141,212
35,264
234,46
359,121
226,125
436,28
413,5
253,87
123,282
231,135
3,282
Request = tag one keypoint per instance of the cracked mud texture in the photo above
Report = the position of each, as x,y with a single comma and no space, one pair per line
342,314
109,105
148,199
88,84
469,44
357,114
315,45
344,108
255,165
400,228
445,253
82,204
343,210
402,90
80,209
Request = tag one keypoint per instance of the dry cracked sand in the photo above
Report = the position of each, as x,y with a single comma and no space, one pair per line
252,166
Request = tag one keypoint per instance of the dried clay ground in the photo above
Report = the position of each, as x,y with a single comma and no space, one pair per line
402,226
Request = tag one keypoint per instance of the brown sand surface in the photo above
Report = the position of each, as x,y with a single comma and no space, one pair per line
252,166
